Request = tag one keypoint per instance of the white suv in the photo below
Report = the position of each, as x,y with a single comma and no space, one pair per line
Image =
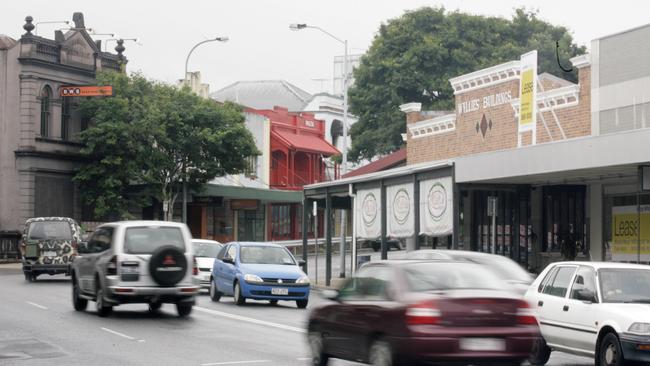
146,262
593,309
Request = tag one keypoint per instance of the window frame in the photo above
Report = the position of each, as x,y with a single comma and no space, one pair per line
46,112
594,279
569,283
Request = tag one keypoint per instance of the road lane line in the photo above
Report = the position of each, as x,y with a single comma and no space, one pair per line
234,362
250,320
118,334
37,305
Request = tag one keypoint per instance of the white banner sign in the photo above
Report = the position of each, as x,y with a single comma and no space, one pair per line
400,209
436,207
368,211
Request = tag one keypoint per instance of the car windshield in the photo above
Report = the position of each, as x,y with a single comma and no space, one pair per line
206,249
49,230
265,255
625,285
441,276
145,240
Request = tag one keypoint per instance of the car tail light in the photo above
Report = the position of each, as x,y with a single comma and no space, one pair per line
111,267
525,315
195,267
423,313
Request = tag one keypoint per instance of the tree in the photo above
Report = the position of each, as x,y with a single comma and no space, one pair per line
413,57
149,137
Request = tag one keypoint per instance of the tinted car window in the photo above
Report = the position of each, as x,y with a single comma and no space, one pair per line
423,277
561,282
370,283
49,230
101,240
203,249
265,255
145,240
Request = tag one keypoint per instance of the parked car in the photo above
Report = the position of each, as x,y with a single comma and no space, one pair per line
517,278
205,252
391,243
406,312
260,271
594,309
49,245
135,262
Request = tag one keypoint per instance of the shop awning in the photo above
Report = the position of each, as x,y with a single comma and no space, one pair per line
236,192
305,143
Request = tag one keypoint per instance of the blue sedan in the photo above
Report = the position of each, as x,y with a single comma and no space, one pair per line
260,271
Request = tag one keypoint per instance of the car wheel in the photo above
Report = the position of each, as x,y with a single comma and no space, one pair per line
239,298
273,302
103,310
302,303
540,353
215,295
154,307
79,303
610,353
183,310
318,355
380,353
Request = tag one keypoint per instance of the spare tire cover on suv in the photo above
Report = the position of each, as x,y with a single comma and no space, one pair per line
168,265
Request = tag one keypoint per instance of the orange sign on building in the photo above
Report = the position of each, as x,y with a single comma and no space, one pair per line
86,91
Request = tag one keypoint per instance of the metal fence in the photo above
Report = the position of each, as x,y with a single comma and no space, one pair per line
9,250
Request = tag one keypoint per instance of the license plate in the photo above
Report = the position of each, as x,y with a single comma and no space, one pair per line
49,254
482,344
130,269
279,291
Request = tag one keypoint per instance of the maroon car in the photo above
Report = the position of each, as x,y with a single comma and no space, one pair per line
406,312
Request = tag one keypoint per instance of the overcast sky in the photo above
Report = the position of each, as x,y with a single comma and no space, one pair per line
262,47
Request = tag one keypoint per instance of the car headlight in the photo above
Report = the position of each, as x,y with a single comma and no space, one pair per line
642,328
252,278
303,279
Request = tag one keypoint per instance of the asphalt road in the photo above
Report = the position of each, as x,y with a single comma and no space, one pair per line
38,326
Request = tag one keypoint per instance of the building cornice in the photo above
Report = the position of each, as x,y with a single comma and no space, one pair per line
57,66
411,107
434,126
581,61
53,155
565,97
486,77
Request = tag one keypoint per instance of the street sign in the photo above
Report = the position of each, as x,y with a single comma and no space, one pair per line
86,91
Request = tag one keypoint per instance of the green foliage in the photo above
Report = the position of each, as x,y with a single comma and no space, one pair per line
421,50
145,139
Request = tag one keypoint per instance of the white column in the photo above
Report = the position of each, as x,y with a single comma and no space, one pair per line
596,216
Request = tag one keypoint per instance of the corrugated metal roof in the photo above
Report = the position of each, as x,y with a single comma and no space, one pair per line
397,158
264,94
305,143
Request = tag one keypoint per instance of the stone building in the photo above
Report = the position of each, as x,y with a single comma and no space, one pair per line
39,129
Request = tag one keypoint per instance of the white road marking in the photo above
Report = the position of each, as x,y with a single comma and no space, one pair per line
118,334
249,320
234,362
37,305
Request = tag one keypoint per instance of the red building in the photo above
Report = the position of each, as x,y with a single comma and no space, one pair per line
298,151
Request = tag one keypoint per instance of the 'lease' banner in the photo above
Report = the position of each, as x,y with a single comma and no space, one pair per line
436,207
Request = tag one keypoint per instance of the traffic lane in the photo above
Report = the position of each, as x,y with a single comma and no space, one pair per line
131,335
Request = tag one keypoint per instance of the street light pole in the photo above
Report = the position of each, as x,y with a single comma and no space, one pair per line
345,131
187,60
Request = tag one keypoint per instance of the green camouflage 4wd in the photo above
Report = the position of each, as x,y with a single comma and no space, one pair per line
49,245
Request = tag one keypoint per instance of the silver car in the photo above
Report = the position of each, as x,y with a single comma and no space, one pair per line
205,251
147,262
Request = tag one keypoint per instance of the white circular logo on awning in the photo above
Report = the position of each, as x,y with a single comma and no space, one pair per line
369,209
437,201
401,206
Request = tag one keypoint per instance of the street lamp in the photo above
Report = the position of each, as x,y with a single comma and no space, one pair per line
187,60
49,22
297,27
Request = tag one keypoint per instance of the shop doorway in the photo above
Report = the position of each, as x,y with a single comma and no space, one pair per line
250,225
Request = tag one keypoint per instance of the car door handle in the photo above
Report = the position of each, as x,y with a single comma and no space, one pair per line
540,303
566,308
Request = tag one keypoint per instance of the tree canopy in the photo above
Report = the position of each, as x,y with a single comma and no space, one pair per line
149,137
413,57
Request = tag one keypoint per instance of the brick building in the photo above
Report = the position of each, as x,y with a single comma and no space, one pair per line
475,179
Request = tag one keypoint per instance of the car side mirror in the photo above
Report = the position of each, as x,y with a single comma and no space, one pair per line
301,263
331,295
586,295
82,247
228,260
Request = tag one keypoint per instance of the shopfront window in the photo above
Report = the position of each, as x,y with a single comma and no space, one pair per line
250,225
281,222
564,221
627,228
